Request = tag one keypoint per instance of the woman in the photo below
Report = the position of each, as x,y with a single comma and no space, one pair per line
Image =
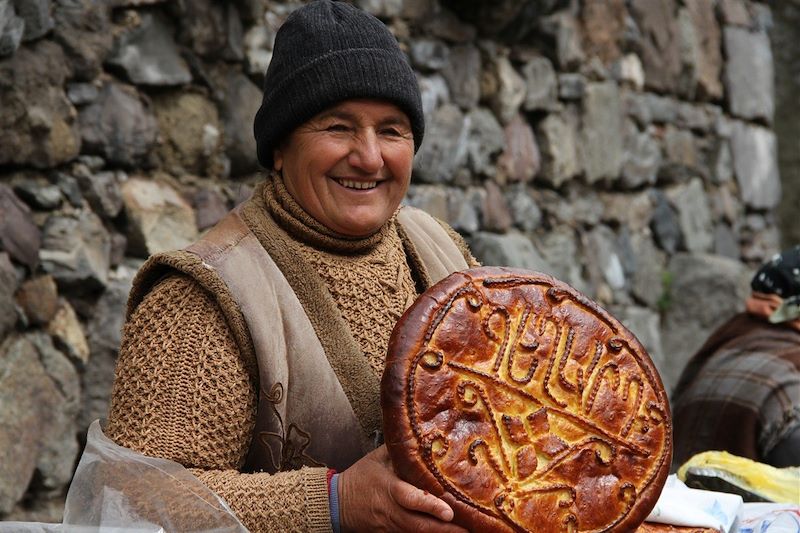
741,392
254,356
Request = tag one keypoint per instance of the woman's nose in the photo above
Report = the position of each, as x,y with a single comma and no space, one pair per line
366,153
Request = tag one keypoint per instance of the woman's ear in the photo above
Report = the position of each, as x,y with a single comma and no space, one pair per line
277,159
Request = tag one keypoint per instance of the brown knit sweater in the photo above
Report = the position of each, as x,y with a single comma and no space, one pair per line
184,392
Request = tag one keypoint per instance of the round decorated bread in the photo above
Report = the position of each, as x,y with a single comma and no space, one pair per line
525,406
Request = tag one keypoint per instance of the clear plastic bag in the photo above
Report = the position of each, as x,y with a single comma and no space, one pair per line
118,490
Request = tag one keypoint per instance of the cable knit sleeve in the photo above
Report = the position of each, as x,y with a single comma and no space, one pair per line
182,392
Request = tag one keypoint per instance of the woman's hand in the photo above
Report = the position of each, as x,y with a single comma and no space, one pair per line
373,498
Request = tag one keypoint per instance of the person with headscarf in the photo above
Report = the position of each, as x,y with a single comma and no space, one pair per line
253,357
741,392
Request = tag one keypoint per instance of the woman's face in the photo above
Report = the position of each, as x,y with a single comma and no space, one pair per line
349,166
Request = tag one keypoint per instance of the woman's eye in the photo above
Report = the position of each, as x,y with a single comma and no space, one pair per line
338,128
391,132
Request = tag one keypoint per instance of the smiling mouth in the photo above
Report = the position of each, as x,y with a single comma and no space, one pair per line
357,185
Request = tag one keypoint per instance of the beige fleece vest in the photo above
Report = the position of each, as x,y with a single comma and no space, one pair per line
316,406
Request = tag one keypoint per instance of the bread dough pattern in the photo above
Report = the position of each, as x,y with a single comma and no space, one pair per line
534,406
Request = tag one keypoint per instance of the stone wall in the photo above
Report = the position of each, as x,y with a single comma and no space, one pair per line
785,35
624,146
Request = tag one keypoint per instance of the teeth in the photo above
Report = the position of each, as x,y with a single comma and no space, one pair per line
350,184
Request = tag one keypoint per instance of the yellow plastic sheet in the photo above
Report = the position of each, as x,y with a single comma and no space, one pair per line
781,485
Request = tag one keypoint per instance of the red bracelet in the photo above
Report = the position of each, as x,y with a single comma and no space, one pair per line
331,472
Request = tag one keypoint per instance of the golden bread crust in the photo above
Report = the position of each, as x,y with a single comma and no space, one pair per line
525,405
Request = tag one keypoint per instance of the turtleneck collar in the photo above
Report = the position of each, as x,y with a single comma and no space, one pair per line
303,227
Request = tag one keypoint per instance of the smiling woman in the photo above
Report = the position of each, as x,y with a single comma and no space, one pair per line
254,356
350,166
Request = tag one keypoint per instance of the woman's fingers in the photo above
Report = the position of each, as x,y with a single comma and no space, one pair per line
373,498
414,499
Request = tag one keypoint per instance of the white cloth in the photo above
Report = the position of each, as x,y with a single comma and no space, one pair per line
679,505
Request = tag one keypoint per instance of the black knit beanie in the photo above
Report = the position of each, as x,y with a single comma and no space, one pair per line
324,53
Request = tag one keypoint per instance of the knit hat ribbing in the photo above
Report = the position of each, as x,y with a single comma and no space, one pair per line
324,53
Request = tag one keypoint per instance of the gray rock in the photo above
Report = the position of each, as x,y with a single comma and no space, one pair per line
189,129
496,216
38,195
682,158
102,192
240,102
68,185
693,117
562,256
525,214
67,333
605,265
38,299
706,50
628,71
568,36
645,325
19,235
59,451
258,50
209,207
381,8
602,133
557,135
665,226
29,403
631,210
75,251
159,218
37,125
486,139
694,215
641,158
147,54
8,286
462,73
512,249
433,92
758,245
648,275
662,109
721,162
444,149
763,20
724,205
465,209
429,54
119,126
749,75
755,164
733,12
726,243
510,89
541,83
571,86
446,25
520,160
660,44
82,93
213,30
36,14
718,287
83,29
12,28
429,198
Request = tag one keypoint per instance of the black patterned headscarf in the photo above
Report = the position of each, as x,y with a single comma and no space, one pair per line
781,276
